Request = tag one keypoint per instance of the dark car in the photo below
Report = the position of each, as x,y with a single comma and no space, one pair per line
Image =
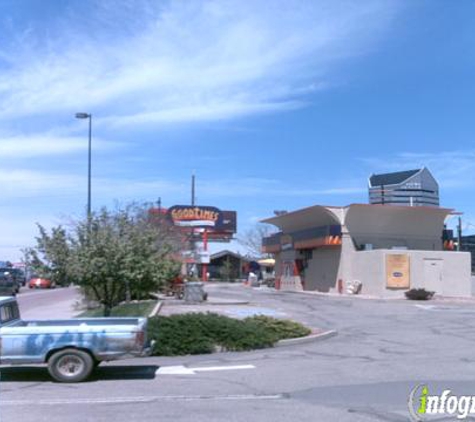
19,276
8,286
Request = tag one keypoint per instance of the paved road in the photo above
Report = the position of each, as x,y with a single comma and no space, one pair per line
384,348
46,303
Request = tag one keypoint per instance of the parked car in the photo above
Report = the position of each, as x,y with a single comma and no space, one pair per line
8,280
19,276
8,286
41,283
71,348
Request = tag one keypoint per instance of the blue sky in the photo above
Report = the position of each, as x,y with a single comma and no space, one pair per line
273,104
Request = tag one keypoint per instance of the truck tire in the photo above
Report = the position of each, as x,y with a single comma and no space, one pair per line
70,365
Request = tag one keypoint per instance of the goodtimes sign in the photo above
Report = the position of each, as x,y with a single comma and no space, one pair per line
189,216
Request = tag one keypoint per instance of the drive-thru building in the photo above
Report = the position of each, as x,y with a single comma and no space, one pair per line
376,250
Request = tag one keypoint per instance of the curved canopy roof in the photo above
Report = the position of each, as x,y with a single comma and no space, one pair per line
367,218
305,218
391,219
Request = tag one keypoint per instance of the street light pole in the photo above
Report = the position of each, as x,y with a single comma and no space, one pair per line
88,116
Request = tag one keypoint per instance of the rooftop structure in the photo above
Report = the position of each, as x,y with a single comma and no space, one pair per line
411,187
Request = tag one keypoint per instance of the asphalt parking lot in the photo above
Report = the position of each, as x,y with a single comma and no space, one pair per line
382,351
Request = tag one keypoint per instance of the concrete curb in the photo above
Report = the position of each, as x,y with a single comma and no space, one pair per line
156,309
343,295
308,339
182,303
214,302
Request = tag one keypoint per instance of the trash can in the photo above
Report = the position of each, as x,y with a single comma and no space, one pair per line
253,281
194,291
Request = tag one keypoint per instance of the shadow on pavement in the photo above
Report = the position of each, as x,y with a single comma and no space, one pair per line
113,373
106,373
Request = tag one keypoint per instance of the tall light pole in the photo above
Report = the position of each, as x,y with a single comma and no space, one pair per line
88,116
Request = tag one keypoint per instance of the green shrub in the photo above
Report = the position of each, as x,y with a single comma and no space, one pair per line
419,294
198,333
179,335
280,328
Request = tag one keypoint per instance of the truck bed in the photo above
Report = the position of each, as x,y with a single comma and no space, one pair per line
75,322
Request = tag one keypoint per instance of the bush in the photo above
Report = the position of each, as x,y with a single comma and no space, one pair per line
280,328
419,294
198,333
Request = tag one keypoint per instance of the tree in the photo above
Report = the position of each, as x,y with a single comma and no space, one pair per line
252,239
55,251
116,255
227,270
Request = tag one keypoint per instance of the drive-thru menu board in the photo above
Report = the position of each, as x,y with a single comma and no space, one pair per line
397,271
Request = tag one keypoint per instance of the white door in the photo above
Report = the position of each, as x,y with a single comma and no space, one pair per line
433,275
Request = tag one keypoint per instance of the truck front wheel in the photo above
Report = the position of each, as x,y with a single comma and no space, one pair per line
70,365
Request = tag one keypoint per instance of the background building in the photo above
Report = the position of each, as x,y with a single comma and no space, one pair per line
227,265
412,187
384,249
468,245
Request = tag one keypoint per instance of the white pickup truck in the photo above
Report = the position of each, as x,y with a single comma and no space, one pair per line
71,348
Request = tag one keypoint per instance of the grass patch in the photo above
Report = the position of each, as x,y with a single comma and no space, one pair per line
199,333
134,309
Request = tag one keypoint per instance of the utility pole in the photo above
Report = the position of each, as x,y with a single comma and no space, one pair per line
459,234
193,190
193,244
88,116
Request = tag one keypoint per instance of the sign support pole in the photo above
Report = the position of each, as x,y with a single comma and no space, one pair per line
205,248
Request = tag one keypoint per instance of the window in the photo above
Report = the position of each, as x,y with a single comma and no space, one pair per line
9,312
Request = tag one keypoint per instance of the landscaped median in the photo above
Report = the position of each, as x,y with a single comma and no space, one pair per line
201,333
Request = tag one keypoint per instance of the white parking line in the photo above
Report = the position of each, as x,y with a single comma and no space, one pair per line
425,307
182,370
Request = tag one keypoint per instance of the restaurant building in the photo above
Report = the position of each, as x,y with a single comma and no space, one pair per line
371,249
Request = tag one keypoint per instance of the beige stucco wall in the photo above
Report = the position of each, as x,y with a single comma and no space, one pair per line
322,271
369,267
452,277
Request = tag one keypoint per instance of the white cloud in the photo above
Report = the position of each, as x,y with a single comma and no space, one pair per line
24,183
216,111
186,61
258,187
47,145
31,183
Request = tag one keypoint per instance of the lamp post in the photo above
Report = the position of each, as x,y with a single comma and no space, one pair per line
88,116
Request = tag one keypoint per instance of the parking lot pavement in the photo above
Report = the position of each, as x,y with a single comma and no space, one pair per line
233,309
383,350
230,300
59,303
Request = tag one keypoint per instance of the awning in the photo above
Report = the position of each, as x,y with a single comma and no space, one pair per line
268,262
